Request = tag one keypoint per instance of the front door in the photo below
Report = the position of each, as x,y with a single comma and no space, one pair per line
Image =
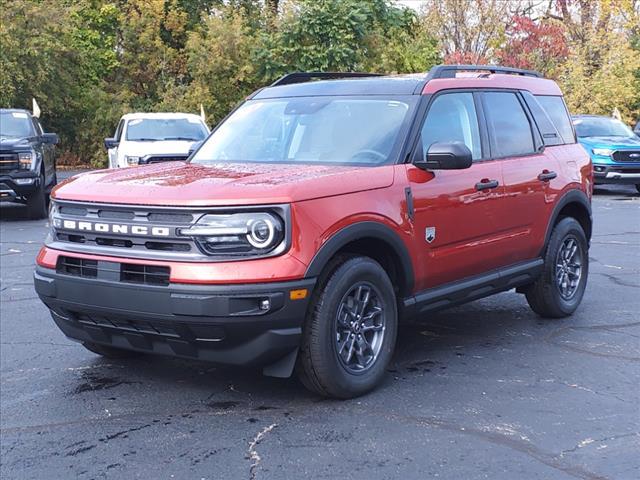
458,213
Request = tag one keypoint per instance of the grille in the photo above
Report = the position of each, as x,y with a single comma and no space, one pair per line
144,274
627,156
89,228
125,324
129,272
78,267
9,161
163,158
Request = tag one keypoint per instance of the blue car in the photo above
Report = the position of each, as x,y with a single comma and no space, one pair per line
614,149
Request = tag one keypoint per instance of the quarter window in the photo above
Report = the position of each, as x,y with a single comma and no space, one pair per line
557,111
509,125
452,118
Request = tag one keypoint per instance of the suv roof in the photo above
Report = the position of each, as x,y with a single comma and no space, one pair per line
301,84
137,115
9,110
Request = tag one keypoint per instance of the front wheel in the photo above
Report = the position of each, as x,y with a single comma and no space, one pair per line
350,330
37,201
559,290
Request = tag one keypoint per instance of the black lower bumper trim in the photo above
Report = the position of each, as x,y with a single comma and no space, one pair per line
226,324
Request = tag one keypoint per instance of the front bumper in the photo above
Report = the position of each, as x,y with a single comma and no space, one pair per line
11,189
616,173
217,323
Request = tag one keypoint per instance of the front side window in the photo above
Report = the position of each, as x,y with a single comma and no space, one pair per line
158,129
452,118
557,111
15,124
601,127
323,130
119,128
508,125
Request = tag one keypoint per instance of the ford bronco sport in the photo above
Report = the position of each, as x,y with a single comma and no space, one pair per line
321,212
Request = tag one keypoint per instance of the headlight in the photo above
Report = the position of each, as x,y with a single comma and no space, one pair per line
132,160
605,152
238,234
26,160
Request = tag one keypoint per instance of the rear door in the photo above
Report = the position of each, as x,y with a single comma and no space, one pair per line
458,213
530,174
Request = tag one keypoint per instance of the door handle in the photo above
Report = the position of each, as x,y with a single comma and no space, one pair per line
546,175
485,184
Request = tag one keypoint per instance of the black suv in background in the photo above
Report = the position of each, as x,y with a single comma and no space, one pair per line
27,161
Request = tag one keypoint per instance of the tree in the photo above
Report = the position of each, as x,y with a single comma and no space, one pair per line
537,45
468,31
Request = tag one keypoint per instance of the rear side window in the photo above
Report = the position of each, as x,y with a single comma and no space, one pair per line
452,118
557,111
509,125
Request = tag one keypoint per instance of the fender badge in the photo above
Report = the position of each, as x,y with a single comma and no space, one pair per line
430,234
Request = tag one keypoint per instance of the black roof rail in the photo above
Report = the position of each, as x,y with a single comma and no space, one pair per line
302,77
449,71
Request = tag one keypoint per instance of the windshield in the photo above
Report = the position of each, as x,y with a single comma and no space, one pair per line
601,127
320,130
155,129
15,124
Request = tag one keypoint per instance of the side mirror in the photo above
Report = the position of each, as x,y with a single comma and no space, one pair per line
110,143
446,156
50,138
195,146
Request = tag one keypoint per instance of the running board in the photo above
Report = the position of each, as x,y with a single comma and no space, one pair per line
473,288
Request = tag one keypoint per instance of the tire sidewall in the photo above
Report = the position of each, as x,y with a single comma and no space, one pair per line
565,228
351,272
37,202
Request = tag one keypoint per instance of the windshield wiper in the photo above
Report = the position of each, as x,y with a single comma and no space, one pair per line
145,139
191,139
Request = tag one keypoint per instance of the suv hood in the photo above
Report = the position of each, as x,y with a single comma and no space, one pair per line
610,142
184,184
7,143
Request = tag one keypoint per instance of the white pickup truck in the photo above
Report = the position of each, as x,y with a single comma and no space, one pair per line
144,138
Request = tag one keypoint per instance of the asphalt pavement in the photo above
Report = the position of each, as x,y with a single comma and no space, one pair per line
486,390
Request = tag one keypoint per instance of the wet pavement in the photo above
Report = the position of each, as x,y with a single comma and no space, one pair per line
486,390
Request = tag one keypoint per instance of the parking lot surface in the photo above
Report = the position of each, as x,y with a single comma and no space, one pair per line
486,390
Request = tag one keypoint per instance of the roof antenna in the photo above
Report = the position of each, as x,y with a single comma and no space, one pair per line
202,115
36,108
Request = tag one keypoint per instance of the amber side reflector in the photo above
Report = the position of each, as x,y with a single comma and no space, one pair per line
298,294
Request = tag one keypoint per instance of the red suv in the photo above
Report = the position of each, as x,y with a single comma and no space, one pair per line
321,212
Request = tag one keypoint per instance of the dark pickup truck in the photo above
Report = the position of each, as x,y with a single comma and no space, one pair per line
27,161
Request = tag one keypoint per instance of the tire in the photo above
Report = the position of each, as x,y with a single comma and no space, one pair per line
323,365
638,187
557,293
37,201
110,352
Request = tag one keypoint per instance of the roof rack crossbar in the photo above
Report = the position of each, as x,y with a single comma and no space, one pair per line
302,77
449,71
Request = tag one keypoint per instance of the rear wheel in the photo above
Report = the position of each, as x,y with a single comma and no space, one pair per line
350,330
559,290
37,201
638,187
110,352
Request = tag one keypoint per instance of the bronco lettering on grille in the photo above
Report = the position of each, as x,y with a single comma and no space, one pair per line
111,228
